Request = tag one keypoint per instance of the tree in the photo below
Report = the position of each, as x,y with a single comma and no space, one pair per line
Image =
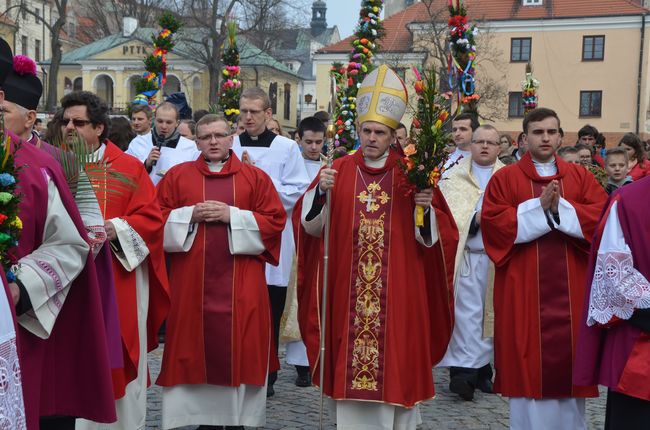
60,8
490,77
108,15
206,30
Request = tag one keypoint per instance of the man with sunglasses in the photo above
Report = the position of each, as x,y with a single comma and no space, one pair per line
133,221
280,158
164,147
223,224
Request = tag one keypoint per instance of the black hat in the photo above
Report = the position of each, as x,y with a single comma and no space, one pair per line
6,60
22,86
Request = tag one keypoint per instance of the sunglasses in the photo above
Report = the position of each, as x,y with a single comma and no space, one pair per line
78,123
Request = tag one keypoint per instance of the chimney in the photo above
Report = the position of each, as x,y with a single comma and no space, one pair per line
129,26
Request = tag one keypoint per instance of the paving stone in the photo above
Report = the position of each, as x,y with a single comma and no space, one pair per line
297,408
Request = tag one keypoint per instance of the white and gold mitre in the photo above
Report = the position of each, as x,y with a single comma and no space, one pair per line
382,97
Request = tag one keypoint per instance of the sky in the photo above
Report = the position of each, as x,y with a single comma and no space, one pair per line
344,14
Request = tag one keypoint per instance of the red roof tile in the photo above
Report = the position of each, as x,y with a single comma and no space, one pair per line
398,37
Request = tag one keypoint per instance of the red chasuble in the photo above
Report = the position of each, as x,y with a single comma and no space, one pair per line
138,207
390,305
219,326
539,286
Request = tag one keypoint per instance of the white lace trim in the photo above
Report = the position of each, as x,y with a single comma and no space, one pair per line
617,289
12,411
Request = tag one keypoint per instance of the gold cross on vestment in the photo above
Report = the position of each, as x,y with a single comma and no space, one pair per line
373,201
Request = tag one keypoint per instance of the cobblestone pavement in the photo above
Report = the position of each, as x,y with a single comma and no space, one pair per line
297,408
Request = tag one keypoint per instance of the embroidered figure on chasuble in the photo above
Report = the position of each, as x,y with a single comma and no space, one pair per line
368,310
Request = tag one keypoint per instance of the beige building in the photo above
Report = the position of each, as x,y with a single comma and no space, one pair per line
110,66
590,57
32,37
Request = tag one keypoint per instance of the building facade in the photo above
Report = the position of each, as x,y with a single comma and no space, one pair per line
590,57
32,36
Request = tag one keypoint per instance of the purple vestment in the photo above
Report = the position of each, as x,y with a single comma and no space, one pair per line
602,352
68,373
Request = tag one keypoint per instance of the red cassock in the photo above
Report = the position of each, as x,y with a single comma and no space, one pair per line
219,326
139,208
539,286
390,299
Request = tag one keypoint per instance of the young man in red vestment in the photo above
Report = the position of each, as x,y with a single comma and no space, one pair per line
223,223
133,222
614,344
390,301
538,219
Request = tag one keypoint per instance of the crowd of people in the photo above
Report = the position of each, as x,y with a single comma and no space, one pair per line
522,262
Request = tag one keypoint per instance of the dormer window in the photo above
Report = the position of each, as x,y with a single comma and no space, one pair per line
532,2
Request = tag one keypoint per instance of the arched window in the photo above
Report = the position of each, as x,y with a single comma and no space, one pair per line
196,92
77,84
104,89
131,87
173,85
287,101
273,95
67,86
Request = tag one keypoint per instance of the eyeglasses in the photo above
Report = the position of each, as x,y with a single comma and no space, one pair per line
245,112
78,123
214,136
485,142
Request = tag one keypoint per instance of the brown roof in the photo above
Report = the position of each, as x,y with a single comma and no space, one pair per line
398,37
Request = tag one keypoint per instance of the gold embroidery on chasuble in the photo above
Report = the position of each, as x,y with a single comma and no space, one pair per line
367,313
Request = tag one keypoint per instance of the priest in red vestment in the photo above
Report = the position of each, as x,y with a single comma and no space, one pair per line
224,222
538,219
133,223
390,298
614,343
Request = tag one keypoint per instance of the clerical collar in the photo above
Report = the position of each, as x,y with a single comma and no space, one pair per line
545,169
216,166
264,140
379,162
475,165
98,154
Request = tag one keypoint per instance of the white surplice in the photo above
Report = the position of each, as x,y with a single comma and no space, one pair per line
296,352
12,409
617,288
532,223
204,404
141,146
468,347
49,270
283,162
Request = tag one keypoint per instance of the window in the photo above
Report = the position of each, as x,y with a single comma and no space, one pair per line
520,49
37,50
23,45
591,103
24,13
593,48
37,12
273,96
532,2
287,101
515,105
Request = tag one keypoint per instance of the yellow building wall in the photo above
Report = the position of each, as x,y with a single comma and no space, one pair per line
556,57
